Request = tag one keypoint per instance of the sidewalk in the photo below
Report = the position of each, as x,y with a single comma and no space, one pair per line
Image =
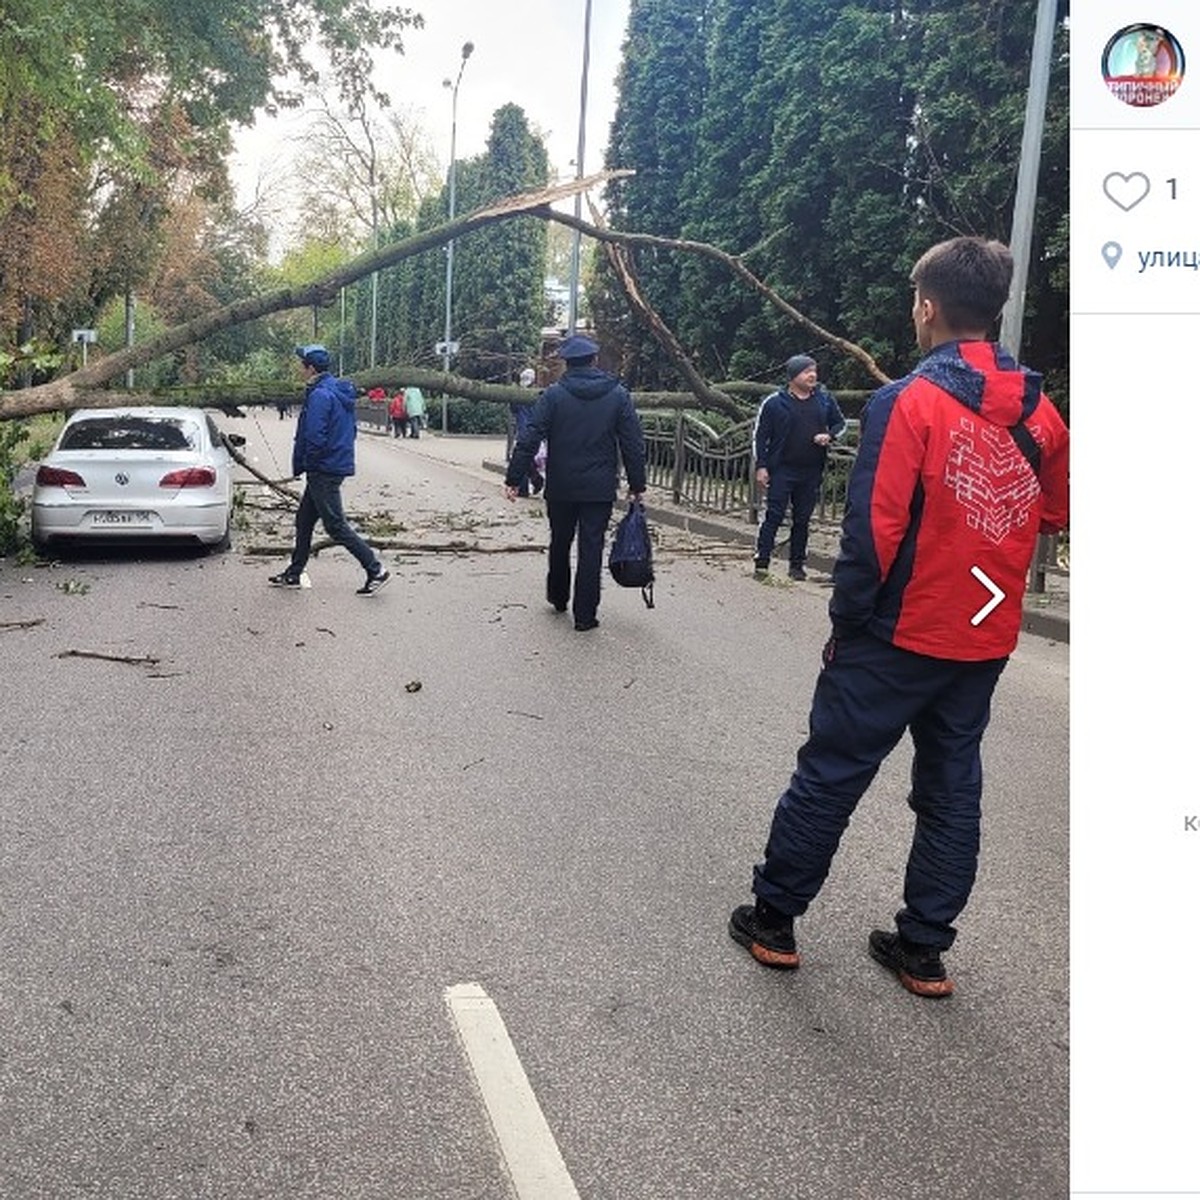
1046,614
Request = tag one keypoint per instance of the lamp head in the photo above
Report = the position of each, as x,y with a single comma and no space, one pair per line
467,50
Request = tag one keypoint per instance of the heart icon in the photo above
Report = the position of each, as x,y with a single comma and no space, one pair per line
1126,191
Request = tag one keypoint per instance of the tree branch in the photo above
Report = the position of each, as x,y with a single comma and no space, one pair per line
710,397
80,389
75,390
735,265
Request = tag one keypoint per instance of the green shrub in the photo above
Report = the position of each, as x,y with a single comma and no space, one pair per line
20,442
469,416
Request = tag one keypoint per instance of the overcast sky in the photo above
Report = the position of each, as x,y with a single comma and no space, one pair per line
527,52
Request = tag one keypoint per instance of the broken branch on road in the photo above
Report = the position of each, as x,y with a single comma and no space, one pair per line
408,547
134,660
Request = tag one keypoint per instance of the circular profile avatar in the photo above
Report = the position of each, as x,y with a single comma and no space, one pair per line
1142,65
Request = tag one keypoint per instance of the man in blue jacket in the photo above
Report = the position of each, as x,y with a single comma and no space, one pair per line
791,438
324,451
585,419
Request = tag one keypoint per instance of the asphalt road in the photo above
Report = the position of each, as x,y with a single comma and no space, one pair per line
241,863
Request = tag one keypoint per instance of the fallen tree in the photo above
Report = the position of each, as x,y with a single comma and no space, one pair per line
79,388
85,388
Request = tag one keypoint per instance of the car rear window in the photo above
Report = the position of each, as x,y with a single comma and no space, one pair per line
129,433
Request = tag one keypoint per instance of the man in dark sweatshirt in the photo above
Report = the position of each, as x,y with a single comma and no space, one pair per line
586,419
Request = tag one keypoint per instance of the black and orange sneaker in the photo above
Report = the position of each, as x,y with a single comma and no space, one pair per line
919,968
771,943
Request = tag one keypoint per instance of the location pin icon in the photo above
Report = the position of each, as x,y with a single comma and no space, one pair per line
1112,253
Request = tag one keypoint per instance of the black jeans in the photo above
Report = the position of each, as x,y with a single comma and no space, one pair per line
322,500
587,519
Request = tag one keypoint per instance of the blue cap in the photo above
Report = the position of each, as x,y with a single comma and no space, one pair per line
314,356
577,346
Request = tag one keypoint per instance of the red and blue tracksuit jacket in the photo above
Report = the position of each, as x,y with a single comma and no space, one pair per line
940,487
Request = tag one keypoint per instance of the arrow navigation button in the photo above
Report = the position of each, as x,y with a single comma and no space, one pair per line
997,596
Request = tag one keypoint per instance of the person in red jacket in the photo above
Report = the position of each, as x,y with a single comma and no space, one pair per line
398,413
960,466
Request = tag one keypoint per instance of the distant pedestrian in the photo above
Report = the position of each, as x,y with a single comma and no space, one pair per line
537,468
323,450
960,465
283,408
414,400
521,412
792,435
590,428
398,414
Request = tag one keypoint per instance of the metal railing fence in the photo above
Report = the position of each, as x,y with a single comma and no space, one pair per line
713,471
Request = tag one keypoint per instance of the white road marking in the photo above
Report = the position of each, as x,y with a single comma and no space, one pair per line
530,1152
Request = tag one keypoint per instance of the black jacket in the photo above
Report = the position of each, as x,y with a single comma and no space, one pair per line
584,419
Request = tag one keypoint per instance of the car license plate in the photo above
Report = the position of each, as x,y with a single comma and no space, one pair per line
122,518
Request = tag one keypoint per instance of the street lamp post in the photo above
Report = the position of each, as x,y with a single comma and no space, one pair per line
468,47
573,300
1013,316
1012,319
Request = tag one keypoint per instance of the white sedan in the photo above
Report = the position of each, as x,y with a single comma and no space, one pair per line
134,473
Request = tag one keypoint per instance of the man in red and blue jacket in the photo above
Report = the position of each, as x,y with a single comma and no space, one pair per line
960,466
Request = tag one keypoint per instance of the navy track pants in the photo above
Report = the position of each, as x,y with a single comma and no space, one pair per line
868,693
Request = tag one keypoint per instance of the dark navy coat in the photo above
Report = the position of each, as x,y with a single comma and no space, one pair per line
587,419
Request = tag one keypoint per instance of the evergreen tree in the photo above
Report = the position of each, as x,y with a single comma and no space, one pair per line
837,194
413,293
834,142
498,298
733,150
499,288
659,108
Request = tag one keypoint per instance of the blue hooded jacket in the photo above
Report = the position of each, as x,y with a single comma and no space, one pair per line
326,429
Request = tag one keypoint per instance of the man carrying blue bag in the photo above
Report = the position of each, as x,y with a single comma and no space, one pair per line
590,427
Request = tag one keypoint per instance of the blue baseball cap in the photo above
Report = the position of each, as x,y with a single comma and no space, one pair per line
314,355
577,346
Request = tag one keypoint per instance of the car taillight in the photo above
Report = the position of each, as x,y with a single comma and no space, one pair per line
58,477
189,477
